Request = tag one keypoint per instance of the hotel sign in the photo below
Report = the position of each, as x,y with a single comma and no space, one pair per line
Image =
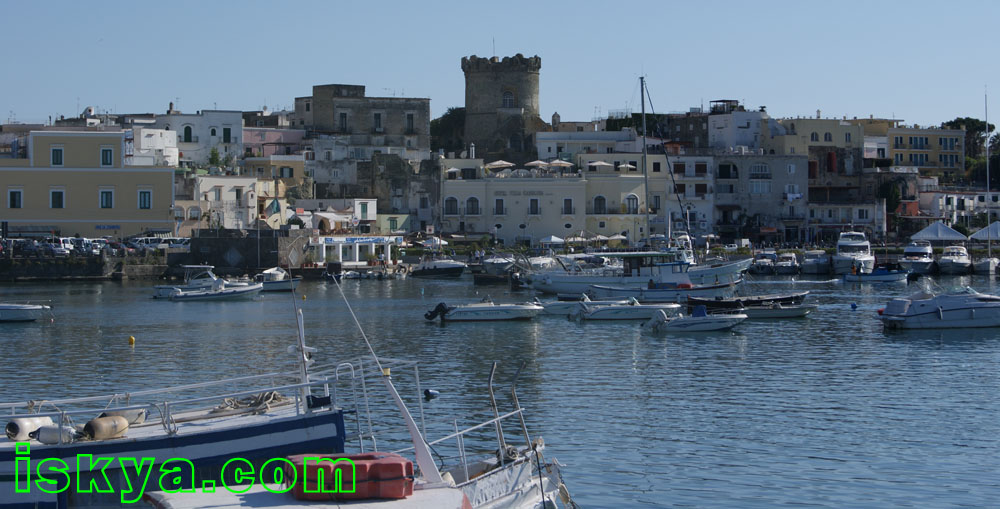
363,240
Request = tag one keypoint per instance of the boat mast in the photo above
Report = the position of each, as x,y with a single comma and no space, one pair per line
986,113
645,176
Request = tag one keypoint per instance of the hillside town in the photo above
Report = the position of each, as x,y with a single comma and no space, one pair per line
344,162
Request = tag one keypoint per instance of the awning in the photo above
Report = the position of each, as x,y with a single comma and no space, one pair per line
938,231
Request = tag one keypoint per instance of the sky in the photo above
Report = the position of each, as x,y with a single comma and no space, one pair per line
920,61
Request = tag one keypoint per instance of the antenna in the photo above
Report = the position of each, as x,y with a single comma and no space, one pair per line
494,46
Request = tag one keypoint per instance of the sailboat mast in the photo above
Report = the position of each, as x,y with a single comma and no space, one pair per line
645,175
986,113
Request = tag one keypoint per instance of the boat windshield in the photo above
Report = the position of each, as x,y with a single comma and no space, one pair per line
846,249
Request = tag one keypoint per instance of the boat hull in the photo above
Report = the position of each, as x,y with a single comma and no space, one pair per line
985,266
756,313
439,272
285,285
577,283
890,277
497,312
22,312
661,294
226,293
786,270
919,266
707,323
954,267
843,264
626,312
815,267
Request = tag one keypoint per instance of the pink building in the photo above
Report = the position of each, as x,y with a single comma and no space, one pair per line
266,142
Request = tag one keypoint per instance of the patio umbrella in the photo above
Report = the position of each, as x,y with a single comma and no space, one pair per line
599,238
599,163
537,163
551,239
617,236
626,166
561,164
499,164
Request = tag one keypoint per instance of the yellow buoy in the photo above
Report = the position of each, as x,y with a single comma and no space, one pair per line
303,297
131,340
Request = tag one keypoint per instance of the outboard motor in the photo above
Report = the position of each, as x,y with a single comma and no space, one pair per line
440,309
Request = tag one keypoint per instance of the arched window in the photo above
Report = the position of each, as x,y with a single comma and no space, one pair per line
600,205
814,136
847,137
187,134
508,100
213,131
472,206
827,137
451,206
632,204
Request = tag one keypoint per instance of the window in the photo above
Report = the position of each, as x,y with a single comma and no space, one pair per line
508,100
227,135
680,188
847,137
308,106
286,172
472,206
679,168
899,158
146,199
634,166
343,121
760,171
568,206
533,208
728,171
827,137
107,198
451,206
862,213
700,169
194,213
791,168
57,199
213,132
656,166
409,122
329,155
424,202
107,157
814,136
364,211
238,191
656,202
498,209
600,205
57,156
15,199
378,121
760,187
632,204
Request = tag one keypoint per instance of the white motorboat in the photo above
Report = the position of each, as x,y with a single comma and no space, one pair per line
631,310
763,263
967,308
698,321
277,279
11,312
487,310
955,260
676,293
221,291
853,250
438,267
985,265
568,307
787,264
498,264
918,257
815,262
196,277
778,310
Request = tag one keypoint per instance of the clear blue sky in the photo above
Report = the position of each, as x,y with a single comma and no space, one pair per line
921,61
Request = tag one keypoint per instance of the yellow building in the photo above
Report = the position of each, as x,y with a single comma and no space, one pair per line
290,169
935,152
71,183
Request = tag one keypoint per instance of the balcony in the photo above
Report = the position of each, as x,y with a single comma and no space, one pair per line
500,211
473,211
568,211
193,139
536,211
451,212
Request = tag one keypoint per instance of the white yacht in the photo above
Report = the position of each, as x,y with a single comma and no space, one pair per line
815,262
918,257
787,264
698,321
438,267
486,310
196,277
567,307
853,250
498,264
967,308
277,279
955,260
631,310
763,263
10,312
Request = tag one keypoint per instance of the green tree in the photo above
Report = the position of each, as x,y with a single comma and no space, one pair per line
213,157
975,134
890,192
448,131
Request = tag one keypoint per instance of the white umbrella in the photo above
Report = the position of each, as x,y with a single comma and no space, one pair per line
537,163
551,239
433,242
617,236
599,238
575,239
599,163
561,163
626,166
499,164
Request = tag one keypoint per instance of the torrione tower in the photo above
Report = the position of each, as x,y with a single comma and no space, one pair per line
501,106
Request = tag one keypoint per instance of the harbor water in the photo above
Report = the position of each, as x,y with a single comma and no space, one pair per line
825,411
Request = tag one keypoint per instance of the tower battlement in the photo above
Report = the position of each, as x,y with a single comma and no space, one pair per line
516,63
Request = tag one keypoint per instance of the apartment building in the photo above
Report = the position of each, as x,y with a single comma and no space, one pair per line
936,152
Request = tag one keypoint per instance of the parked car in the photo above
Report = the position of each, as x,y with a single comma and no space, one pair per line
730,247
25,247
120,249
53,249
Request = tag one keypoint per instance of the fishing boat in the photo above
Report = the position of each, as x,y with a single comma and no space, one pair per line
963,309
196,277
955,260
853,250
12,312
487,310
778,310
740,302
567,307
815,262
432,266
632,309
277,279
698,321
918,257
220,291
787,264
881,274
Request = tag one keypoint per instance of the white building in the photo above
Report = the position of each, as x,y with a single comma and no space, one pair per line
690,195
199,133
568,144
231,201
151,147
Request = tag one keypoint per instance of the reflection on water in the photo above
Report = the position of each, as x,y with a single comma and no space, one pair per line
828,410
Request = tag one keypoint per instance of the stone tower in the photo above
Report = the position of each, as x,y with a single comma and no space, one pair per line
501,105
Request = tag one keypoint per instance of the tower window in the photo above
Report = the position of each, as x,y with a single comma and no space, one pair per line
508,100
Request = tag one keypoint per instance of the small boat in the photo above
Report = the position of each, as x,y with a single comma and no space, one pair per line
567,307
881,274
955,260
918,257
486,310
853,250
334,271
763,263
677,293
438,267
963,309
787,264
815,262
985,265
630,310
737,303
196,277
698,321
10,312
276,279
497,264
221,291
778,310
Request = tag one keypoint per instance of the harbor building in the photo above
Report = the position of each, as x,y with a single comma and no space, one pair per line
77,182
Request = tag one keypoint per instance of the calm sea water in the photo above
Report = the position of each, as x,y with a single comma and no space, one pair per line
827,411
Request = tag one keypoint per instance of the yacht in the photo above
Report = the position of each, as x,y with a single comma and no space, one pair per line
698,321
918,257
498,264
966,308
955,260
853,251
438,267
10,312
486,310
787,264
196,277
815,262
763,263
631,310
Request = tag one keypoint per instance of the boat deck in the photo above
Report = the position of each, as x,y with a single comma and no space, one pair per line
257,496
